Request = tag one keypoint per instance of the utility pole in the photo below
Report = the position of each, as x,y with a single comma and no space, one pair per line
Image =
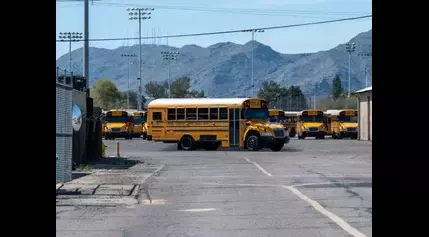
86,46
140,14
350,48
169,56
253,53
70,37
129,56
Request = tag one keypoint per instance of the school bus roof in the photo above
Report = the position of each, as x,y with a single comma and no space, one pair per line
178,102
300,112
337,112
289,113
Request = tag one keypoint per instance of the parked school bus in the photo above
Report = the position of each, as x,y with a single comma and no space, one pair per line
118,124
290,122
210,123
287,119
342,123
139,121
310,123
145,128
103,123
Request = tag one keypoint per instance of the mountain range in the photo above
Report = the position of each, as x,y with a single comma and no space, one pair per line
224,69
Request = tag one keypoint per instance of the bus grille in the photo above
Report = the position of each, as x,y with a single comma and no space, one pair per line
313,129
116,129
351,129
279,132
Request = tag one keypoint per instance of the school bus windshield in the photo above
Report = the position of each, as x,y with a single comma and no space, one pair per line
139,120
317,118
116,119
259,113
343,118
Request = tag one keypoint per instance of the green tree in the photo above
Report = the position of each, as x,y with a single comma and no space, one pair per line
105,94
156,89
337,89
181,88
270,91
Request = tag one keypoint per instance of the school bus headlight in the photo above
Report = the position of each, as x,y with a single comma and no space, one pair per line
267,134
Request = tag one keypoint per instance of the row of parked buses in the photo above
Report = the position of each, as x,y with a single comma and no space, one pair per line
126,124
226,122
316,123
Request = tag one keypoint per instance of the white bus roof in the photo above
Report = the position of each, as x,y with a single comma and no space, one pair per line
177,102
300,112
337,112
291,112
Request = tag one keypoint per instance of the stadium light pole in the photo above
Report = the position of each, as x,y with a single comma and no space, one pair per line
366,68
253,53
140,14
129,56
70,37
350,48
169,56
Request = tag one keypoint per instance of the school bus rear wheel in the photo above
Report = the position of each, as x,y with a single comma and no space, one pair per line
187,143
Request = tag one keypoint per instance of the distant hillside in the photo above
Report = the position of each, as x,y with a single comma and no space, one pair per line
224,69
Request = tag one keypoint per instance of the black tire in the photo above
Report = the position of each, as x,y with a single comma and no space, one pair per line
252,142
149,138
187,143
277,146
131,137
322,137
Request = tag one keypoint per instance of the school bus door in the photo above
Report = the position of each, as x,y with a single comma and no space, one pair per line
158,123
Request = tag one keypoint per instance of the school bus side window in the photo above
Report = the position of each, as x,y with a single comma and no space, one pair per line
171,115
191,114
223,114
214,114
157,116
203,113
181,114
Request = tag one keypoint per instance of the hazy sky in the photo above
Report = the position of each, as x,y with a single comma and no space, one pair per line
109,19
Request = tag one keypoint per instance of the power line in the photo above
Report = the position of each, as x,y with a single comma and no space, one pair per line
234,31
190,8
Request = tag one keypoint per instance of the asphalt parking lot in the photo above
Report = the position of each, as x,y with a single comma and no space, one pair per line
310,188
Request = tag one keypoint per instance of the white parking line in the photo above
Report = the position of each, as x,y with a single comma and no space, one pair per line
259,167
340,222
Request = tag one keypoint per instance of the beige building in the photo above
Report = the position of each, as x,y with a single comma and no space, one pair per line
365,113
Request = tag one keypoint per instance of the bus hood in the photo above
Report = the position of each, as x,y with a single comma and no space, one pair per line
312,124
115,125
345,125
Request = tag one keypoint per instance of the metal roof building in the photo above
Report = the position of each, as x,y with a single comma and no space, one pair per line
365,113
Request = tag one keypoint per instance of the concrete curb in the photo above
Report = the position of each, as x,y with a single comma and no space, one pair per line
136,190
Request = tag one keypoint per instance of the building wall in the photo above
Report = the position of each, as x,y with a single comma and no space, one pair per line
64,132
365,115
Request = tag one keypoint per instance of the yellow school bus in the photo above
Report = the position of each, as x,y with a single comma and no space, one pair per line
103,123
287,119
343,123
118,124
290,122
145,128
209,123
310,123
138,124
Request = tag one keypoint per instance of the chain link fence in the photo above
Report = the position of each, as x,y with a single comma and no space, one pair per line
64,130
